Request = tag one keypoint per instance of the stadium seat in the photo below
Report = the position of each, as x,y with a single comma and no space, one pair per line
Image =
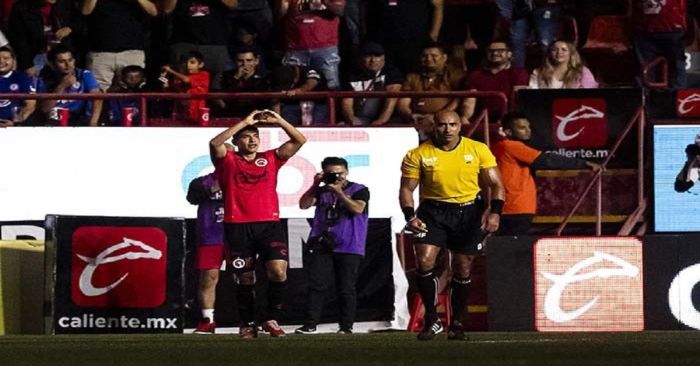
609,38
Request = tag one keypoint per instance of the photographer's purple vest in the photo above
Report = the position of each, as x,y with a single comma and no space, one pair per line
350,229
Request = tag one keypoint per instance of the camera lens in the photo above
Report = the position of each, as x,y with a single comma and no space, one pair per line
330,178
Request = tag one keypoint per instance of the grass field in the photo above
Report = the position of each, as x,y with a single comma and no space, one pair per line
648,348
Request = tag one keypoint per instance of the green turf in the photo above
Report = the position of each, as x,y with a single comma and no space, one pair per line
648,348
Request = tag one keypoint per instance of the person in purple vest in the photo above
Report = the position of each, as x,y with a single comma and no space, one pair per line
205,192
336,243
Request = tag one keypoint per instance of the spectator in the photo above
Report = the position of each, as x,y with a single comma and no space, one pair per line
132,80
63,77
36,25
206,193
515,162
292,80
562,69
116,36
542,16
311,35
255,16
201,25
246,37
336,243
194,81
661,26
497,74
402,27
14,112
247,77
374,75
434,75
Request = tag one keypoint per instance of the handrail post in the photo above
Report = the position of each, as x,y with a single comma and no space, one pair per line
487,130
331,110
640,157
143,119
599,206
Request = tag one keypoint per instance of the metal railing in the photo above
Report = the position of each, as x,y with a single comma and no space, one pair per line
647,69
329,96
597,180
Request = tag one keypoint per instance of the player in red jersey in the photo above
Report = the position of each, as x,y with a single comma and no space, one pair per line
251,213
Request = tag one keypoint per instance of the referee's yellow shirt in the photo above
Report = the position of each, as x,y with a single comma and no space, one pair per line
448,176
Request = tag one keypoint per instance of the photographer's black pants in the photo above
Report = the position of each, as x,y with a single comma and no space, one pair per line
323,269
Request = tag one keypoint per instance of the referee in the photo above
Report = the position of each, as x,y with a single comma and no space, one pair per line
448,169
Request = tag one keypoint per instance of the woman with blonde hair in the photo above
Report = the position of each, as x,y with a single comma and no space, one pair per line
562,69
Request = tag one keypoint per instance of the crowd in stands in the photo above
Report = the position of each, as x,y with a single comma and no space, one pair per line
295,46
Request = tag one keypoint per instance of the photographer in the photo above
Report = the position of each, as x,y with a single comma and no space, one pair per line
336,243
691,169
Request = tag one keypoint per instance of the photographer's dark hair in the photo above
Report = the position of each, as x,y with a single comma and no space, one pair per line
244,129
509,118
332,160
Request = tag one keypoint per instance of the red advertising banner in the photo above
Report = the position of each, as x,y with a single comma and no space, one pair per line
116,266
688,103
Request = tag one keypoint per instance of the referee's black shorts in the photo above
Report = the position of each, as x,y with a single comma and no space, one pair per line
456,226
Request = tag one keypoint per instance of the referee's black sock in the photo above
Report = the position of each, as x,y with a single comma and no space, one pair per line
427,286
276,297
245,295
458,298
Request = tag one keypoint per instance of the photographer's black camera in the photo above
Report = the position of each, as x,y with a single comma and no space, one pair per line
326,242
330,178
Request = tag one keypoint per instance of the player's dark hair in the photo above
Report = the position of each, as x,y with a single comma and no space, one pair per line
245,129
508,120
332,160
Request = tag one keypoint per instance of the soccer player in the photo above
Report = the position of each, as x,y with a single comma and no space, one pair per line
12,81
248,180
448,169
206,193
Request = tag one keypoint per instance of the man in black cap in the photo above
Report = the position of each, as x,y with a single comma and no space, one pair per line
373,74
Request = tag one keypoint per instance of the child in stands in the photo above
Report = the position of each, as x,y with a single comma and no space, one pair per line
195,81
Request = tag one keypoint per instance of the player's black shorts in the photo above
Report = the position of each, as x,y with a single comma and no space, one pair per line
454,225
246,240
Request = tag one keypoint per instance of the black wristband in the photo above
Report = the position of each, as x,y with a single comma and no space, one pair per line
497,206
408,213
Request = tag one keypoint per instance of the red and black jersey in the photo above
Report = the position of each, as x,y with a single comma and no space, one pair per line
250,187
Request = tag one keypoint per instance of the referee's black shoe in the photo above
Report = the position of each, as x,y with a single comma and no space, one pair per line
430,330
456,332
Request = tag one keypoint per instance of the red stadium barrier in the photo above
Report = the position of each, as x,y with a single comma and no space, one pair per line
330,96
